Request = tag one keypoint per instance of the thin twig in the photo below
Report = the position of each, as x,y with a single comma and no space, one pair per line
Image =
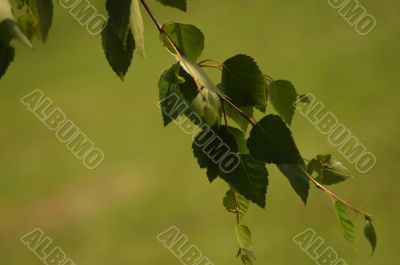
333,195
219,67
251,120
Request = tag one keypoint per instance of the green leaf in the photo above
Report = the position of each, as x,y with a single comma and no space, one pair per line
26,24
197,73
8,26
271,141
246,260
6,57
137,28
298,179
304,99
180,4
243,82
5,34
119,13
201,152
118,53
283,95
237,118
249,176
42,10
177,84
240,140
172,102
20,3
329,171
188,38
243,238
346,225
370,233
250,179
235,203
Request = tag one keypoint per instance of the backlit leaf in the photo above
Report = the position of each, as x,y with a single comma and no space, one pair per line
328,170
42,10
345,224
137,28
188,38
235,203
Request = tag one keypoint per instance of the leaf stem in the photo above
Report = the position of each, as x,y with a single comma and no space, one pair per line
333,195
251,120
148,10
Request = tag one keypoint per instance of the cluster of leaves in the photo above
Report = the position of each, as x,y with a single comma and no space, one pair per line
242,90
34,20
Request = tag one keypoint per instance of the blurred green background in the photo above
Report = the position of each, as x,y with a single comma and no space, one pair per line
149,180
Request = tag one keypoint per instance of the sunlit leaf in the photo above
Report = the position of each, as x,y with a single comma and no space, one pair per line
345,223
188,39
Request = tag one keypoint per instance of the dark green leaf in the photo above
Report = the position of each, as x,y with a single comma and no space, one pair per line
6,34
249,178
304,99
243,82
298,179
6,57
370,233
283,95
246,175
271,141
119,17
42,11
180,4
172,102
235,203
188,38
205,141
118,53
345,224
329,171
240,140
